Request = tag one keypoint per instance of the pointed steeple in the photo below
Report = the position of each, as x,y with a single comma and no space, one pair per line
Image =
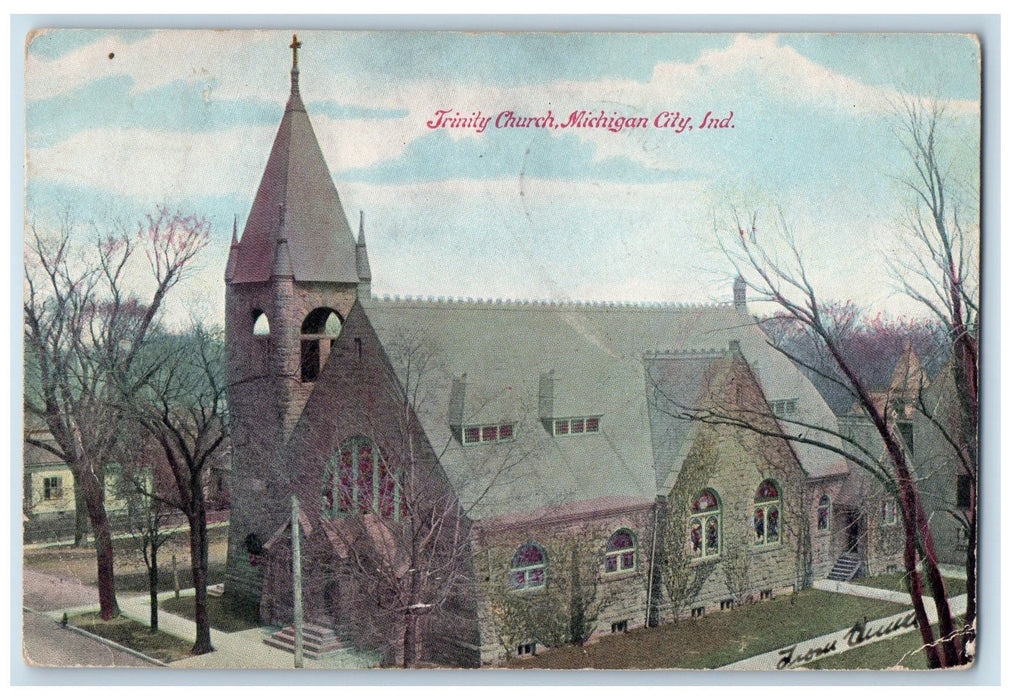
908,377
362,260
297,181
361,252
233,251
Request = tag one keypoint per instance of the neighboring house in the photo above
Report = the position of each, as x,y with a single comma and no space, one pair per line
925,413
48,489
544,422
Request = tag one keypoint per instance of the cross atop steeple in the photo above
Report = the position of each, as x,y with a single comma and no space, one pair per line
295,46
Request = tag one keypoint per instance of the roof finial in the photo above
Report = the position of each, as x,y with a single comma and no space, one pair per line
235,229
294,46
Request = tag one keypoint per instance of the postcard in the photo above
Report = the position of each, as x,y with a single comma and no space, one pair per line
501,350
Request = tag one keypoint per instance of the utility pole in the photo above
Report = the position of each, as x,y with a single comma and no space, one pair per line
296,570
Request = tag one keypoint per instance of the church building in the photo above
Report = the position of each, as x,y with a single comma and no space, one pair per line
480,479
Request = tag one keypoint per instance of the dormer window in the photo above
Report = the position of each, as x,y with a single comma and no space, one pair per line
575,426
496,432
783,407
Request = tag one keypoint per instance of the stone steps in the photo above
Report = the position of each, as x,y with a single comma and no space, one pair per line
845,568
317,641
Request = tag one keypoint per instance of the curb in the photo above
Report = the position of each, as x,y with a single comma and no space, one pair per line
103,640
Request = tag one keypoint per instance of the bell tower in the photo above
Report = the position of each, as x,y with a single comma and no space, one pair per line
291,280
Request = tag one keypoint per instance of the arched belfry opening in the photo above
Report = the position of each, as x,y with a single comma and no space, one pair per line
319,331
261,324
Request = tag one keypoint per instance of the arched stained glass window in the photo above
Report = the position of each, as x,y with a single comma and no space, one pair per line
529,568
768,504
824,512
620,554
358,480
704,525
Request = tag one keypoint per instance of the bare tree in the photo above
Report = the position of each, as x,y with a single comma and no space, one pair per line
84,331
147,526
779,275
182,406
941,273
410,555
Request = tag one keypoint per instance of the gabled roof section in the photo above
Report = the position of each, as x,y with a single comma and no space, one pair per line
676,385
297,201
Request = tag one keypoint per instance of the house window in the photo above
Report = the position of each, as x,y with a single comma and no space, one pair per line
620,555
621,626
358,480
767,513
765,594
963,486
783,407
52,488
529,568
526,649
726,604
499,432
888,511
824,512
575,426
704,525
699,611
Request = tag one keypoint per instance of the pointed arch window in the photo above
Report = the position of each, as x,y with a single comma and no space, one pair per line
529,568
261,324
824,512
357,480
620,554
704,525
768,507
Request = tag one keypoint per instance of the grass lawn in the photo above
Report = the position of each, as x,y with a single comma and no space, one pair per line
897,582
134,635
719,638
131,576
226,613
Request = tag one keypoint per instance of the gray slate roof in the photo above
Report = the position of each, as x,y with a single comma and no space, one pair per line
297,202
597,353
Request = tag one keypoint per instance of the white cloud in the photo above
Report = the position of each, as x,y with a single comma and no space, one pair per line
158,59
137,162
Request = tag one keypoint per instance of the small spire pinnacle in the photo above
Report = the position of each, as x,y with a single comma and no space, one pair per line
294,46
361,227
235,229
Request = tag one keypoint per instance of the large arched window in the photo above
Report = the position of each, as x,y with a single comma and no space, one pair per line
704,525
824,512
358,480
620,554
768,503
319,330
529,568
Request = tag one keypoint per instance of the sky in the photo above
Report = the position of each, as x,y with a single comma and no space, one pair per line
119,122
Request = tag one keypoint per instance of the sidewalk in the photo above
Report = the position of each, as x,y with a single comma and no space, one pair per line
233,650
862,633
